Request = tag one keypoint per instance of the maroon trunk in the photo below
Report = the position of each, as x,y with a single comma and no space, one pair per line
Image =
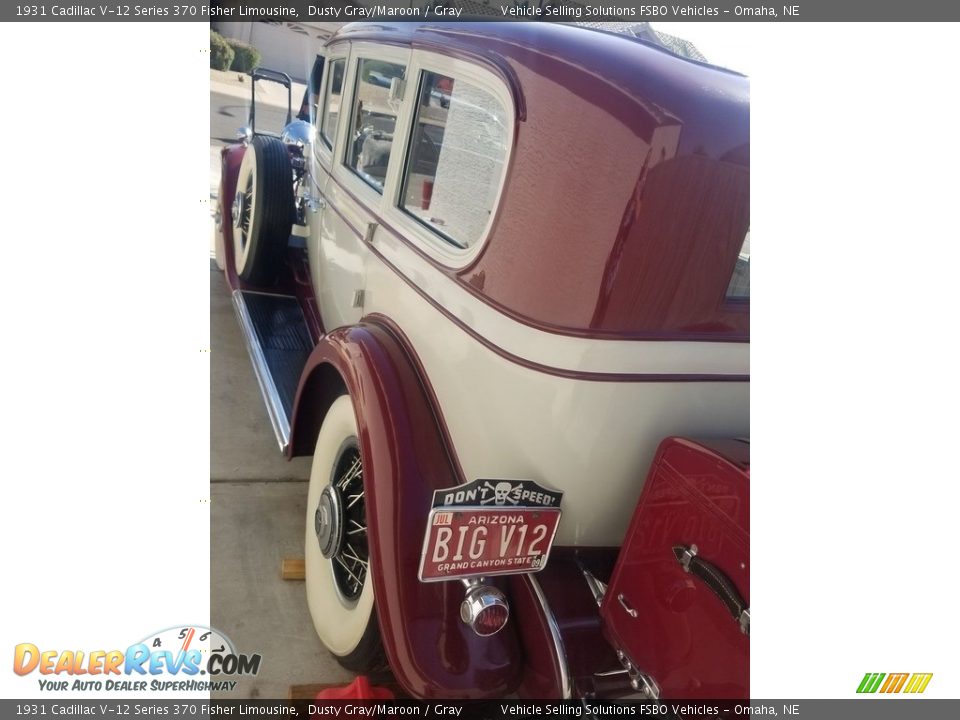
679,627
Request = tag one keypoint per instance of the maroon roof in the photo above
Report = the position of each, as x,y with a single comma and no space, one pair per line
627,197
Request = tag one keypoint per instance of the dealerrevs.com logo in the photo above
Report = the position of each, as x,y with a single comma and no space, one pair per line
911,683
182,659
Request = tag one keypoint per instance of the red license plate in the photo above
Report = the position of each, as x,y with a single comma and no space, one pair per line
472,541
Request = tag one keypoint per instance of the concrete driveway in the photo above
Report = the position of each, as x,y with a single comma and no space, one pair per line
257,518
258,499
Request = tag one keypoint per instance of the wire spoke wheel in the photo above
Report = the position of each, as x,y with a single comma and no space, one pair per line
242,212
352,559
247,200
338,577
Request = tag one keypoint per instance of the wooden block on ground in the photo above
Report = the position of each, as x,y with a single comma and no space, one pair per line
292,569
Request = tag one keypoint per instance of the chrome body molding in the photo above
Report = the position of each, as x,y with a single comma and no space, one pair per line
271,397
566,689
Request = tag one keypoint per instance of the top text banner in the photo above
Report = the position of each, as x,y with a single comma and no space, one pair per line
501,10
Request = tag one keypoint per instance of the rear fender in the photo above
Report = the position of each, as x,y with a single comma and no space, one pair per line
406,456
230,158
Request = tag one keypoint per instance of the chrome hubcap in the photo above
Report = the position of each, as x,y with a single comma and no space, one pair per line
328,522
237,210
240,211
340,523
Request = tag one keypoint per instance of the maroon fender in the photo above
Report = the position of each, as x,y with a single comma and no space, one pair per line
230,158
406,456
544,672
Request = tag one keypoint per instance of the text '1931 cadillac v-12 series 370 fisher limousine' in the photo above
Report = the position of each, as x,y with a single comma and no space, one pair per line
495,281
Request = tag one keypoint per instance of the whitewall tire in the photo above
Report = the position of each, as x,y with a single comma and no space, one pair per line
336,556
262,210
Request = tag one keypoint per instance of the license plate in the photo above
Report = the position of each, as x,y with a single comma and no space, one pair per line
466,542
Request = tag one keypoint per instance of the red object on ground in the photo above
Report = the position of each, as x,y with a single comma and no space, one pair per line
359,689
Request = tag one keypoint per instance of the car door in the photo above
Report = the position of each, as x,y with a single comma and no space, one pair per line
326,121
355,149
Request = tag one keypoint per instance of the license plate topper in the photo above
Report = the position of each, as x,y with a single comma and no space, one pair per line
488,528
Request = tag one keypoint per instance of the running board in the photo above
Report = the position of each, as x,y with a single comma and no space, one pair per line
275,333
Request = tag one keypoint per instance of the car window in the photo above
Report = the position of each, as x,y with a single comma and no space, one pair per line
311,93
455,163
374,120
331,106
739,288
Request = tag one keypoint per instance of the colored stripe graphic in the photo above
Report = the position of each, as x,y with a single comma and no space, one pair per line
895,682
900,684
870,682
918,682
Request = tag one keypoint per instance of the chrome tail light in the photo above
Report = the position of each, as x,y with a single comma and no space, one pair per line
484,608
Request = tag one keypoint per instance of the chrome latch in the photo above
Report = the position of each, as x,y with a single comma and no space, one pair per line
687,557
625,604
745,622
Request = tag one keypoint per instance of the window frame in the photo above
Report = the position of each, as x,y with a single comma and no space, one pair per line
432,242
341,170
325,145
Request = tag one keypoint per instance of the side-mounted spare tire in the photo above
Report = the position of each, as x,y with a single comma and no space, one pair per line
263,210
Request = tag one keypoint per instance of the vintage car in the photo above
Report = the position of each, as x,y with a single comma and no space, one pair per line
498,287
